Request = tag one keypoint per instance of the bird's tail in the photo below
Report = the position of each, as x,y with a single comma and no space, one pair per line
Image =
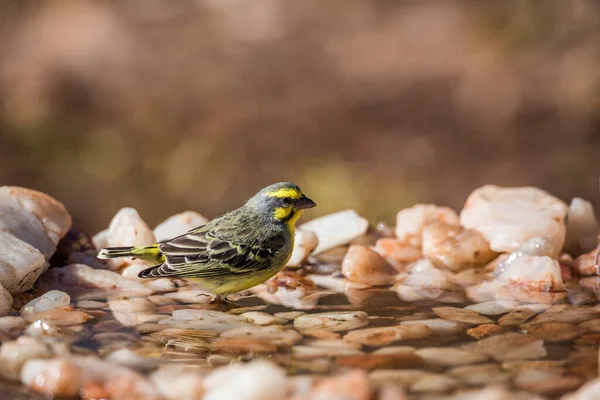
147,253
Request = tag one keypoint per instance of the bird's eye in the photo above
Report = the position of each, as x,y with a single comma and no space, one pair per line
287,201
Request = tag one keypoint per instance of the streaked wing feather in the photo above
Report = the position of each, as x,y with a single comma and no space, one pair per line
202,253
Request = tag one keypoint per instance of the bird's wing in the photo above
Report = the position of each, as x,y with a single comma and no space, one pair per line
212,251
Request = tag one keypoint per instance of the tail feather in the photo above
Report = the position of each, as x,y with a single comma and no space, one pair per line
146,253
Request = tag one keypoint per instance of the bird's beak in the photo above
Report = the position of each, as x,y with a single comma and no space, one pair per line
304,202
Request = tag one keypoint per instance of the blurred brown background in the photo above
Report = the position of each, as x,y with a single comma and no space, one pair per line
195,104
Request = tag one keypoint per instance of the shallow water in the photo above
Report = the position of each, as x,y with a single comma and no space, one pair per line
566,365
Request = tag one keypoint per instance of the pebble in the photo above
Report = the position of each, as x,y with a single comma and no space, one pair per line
568,314
515,318
554,332
60,316
14,354
127,228
410,222
262,318
481,374
129,358
494,307
589,391
430,382
384,336
91,304
448,356
305,242
440,326
178,382
276,334
320,333
9,323
310,352
48,301
178,224
423,274
510,346
332,321
509,217
455,248
461,315
257,380
206,320
34,218
131,312
100,239
20,265
397,253
41,328
336,229
484,331
585,264
582,228
366,266
374,361
82,277
352,385
190,296
546,382
289,315
6,301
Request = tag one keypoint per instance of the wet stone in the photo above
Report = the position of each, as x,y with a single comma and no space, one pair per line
546,382
448,356
485,330
387,335
494,307
48,301
461,315
332,321
336,229
262,318
366,266
554,332
375,361
481,374
510,346
515,318
440,326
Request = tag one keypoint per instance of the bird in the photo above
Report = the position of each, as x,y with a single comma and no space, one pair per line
233,252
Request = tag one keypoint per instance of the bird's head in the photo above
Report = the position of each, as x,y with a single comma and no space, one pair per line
283,201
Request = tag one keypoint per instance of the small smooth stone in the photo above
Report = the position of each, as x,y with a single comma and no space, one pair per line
336,229
60,316
242,345
582,227
461,315
433,383
509,217
100,239
481,374
510,346
440,326
128,358
132,271
305,242
84,277
423,274
20,265
387,335
48,301
394,350
177,382
585,264
289,315
485,330
14,354
40,328
402,377
448,356
161,300
397,253
366,266
547,382
375,361
515,318
568,314
591,325
207,320
257,380
178,224
9,323
91,304
332,321
52,377
127,228
411,221
455,248
309,352
262,318
128,312
278,335
494,307
554,332
320,333
351,385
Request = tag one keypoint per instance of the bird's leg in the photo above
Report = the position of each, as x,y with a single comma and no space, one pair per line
219,299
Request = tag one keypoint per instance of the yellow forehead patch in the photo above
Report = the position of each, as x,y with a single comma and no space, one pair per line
285,192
